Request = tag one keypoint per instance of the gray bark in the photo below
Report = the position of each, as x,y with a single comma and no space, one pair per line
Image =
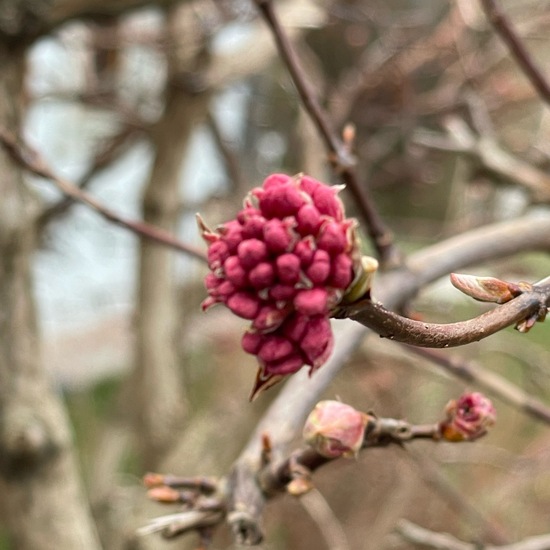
43,502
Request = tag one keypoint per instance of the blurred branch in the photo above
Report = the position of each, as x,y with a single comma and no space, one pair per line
339,152
109,153
486,151
442,541
504,28
489,381
320,512
33,162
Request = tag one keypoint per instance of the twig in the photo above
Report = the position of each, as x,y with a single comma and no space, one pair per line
432,335
32,161
104,157
442,541
485,150
339,155
489,381
320,512
286,415
503,27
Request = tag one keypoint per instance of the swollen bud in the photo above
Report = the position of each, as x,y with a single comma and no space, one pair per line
468,417
335,429
488,289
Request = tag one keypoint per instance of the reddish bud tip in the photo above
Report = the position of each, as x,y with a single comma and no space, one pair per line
468,417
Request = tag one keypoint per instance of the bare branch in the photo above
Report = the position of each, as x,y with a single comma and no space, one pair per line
503,27
339,153
32,161
489,154
432,335
442,541
489,381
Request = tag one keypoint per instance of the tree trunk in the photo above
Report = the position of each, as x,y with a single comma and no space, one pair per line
159,392
43,502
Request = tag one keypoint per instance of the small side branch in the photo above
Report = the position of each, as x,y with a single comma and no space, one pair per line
504,28
339,153
32,161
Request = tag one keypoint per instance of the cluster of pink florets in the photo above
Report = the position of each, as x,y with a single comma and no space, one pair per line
284,263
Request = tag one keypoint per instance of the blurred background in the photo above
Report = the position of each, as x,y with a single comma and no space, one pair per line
162,112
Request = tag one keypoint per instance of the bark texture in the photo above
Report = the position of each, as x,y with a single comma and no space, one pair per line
44,505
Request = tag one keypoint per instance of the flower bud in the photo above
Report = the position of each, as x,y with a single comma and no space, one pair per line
468,417
335,429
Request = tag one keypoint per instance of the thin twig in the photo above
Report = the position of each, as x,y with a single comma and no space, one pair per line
489,381
104,157
442,541
32,161
339,155
504,28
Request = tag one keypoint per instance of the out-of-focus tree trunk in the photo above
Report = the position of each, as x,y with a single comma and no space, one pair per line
160,396
42,499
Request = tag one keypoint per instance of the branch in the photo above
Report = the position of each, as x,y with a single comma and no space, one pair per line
442,541
503,27
431,335
287,413
32,161
486,151
339,153
489,381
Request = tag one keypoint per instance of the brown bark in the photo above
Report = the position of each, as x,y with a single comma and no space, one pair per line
159,389
39,484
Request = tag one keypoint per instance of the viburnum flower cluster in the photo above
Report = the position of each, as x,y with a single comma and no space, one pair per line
284,263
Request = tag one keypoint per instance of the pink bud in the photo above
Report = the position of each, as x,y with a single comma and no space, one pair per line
309,220
251,252
232,235
332,238
253,227
248,212
289,365
310,185
280,201
312,302
342,271
326,201
288,268
319,269
282,293
244,305
295,326
276,180
262,276
225,289
335,429
212,282
275,348
234,271
277,236
252,341
317,341
269,318
468,417
217,253
305,249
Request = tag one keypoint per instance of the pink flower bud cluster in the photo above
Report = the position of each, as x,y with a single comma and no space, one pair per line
468,417
284,263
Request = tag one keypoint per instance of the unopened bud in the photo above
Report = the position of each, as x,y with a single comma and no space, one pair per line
335,429
468,417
